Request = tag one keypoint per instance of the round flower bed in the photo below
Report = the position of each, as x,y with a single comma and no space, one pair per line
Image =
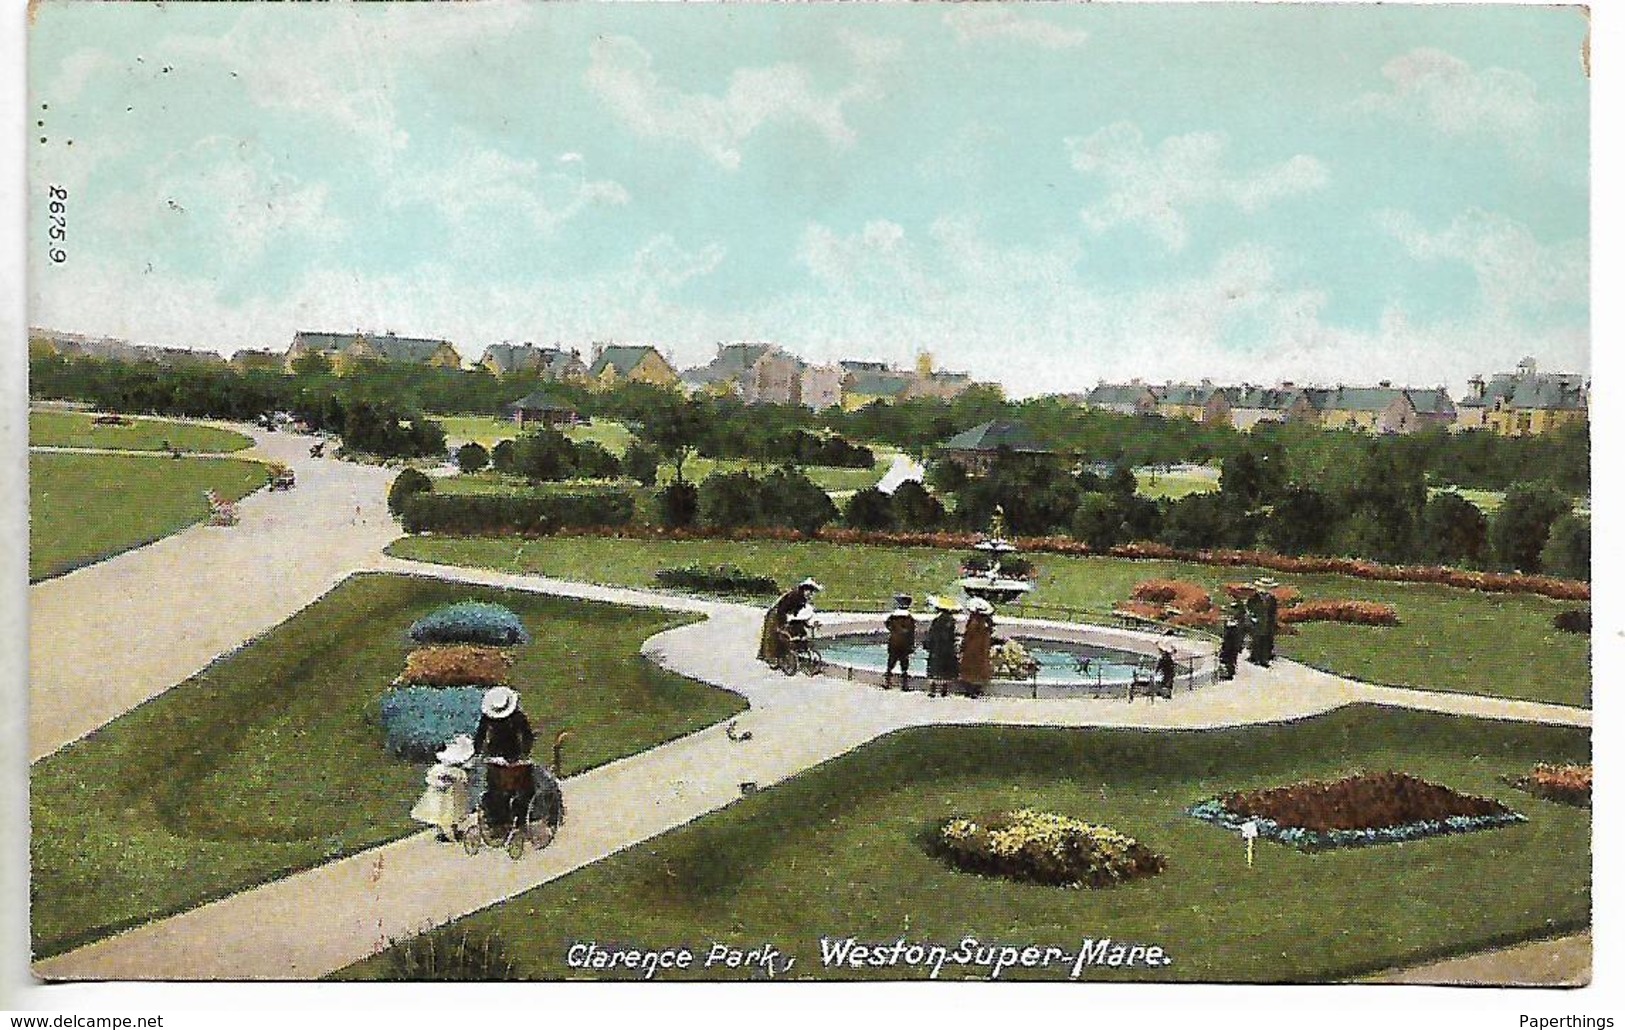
1380,808
470,622
1041,847
418,721
1565,784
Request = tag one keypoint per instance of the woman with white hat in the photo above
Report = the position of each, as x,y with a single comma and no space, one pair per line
505,739
976,649
771,648
445,800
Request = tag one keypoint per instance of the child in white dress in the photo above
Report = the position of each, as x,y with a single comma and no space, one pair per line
446,801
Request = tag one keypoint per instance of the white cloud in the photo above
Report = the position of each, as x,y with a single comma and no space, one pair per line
1156,187
869,50
622,74
483,182
1445,94
976,22
1517,275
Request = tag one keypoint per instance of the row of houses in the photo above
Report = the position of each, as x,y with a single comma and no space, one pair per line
1519,403
107,348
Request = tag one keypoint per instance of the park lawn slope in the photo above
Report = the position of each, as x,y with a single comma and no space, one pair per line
839,851
76,429
266,763
1449,639
87,507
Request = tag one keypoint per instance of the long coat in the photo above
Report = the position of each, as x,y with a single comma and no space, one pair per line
941,652
771,647
976,651
900,628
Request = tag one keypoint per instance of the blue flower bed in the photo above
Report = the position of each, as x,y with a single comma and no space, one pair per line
418,721
1213,811
470,622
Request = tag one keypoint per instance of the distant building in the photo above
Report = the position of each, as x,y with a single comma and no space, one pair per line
1250,405
821,386
1203,402
176,357
613,365
257,360
553,364
78,345
541,408
863,387
865,382
975,449
1130,398
1383,408
1526,402
346,350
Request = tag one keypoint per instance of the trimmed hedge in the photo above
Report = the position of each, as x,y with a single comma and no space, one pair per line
470,622
721,579
498,514
419,721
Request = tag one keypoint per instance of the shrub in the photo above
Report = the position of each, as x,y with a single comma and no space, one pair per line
731,499
1040,847
418,721
870,508
915,507
1187,597
449,955
455,665
641,463
1566,784
789,498
502,456
1575,620
1522,524
496,514
1568,548
407,485
1380,808
1360,613
721,579
470,622
471,457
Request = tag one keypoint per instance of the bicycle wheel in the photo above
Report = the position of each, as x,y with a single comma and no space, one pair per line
516,844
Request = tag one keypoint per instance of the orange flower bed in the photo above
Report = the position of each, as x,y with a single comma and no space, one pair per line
1187,597
1373,800
1360,613
457,665
1568,784
1284,595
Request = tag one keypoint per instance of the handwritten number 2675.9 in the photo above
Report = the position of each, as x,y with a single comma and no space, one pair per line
58,230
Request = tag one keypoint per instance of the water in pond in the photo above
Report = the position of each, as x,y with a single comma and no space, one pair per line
1059,662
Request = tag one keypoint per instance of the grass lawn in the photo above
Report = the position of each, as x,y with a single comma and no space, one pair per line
1448,639
86,507
838,851
488,431
1173,485
265,762
76,429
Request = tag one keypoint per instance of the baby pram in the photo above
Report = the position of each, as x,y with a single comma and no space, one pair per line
522,804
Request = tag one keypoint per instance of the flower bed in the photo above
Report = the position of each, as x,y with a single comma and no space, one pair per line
720,579
1360,613
1566,784
1041,847
1173,602
1576,620
1011,661
470,622
1380,808
1285,596
418,721
456,665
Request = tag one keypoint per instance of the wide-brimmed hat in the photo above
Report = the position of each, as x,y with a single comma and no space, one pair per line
1265,583
943,604
979,605
460,750
499,702
1165,647
810,584
903,600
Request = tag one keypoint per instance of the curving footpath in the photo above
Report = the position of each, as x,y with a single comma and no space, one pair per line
412,884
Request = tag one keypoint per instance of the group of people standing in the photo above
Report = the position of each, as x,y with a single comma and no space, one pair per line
1252,619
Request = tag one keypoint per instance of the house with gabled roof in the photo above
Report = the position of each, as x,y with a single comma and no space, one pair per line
541,408
553,363
344,351
1526,402
615,364
1131,398
1250,405
1383,408
1202,402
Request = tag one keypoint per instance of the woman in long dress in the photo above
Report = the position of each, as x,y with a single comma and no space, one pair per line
794,599
941,646
976,649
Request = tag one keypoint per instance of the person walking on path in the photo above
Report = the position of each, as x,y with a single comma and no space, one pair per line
976,650
791,602
1263,628
941,646
1230,646
900,627
505,738
1165,670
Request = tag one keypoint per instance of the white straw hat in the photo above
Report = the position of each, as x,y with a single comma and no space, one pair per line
811,584
499,702
979,605
943,604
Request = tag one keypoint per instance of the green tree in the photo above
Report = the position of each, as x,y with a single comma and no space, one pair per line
869,508
1568,548
1097,521
471,457
642,463
1302,521
916,508
406,485
731,499
1453,530
1524,522
790,499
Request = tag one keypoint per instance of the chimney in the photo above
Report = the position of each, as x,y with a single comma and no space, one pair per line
1207,382
597,352
1286,384
1475,387
1135,381
1385,383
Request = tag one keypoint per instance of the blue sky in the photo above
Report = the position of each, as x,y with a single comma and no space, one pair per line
1042,194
